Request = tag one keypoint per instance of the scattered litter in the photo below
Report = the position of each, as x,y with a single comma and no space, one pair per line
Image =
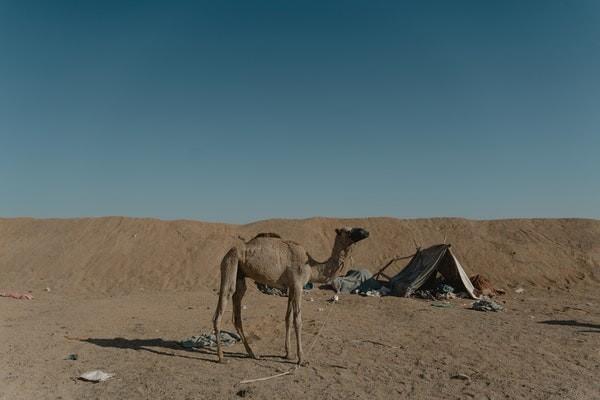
443,288
519,290
283,292
17,295
72,357
273,291
424,294
210,340
334,299
320,309
266,378
371,293
441,304
95,376
461,376
47,289
441,291
382,291
446,296
244,307
486,305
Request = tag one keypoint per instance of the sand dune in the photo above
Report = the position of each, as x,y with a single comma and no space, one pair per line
119,255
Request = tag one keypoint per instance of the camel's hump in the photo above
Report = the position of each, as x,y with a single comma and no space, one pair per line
266,235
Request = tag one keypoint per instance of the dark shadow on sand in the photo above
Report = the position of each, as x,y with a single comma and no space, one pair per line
146,344
572,322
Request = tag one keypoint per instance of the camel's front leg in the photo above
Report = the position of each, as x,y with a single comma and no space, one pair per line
297,306
288,325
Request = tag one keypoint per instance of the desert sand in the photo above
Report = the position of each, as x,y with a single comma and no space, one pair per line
121,292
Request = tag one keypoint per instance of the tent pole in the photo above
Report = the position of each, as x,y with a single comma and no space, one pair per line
380,272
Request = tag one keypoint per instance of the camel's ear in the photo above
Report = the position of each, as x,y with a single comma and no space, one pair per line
337,231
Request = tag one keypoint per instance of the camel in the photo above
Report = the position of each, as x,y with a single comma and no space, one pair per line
271,260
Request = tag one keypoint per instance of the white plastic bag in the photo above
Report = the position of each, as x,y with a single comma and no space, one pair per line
95,376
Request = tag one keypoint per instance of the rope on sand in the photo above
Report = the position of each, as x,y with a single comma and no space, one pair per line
291,370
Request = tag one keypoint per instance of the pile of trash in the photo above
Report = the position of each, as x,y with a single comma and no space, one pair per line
273,291
440,291
382,291
210,340
486,304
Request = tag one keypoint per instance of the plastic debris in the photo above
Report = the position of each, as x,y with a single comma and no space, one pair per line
371,293
95,376
273,291
443,288
334,299
382,291
461,376
486,305
519,290
210,340
72,357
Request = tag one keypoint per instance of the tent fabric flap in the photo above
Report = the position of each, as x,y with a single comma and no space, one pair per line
425,265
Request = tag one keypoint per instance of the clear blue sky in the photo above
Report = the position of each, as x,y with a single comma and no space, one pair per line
242,110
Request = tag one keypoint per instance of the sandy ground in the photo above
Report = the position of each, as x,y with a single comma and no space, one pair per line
545,345
126,290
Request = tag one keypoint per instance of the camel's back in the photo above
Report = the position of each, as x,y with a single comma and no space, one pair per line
266,259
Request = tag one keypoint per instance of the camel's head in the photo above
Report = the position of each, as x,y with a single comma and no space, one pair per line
351,235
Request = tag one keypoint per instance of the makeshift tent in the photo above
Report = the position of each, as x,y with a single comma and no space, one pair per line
423,268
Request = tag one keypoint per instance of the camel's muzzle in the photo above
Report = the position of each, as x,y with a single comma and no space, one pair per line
358,234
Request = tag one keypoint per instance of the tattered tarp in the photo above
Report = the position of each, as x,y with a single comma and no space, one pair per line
359,279
424,267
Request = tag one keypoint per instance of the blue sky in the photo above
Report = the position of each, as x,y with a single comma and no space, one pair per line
236,111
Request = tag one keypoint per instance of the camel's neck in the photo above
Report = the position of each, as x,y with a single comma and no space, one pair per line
322,272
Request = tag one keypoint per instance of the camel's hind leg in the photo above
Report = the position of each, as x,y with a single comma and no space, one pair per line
229,267
288,325
240,290
297,310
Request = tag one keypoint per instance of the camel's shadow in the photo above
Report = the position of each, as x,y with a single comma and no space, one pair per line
149,345
571,322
